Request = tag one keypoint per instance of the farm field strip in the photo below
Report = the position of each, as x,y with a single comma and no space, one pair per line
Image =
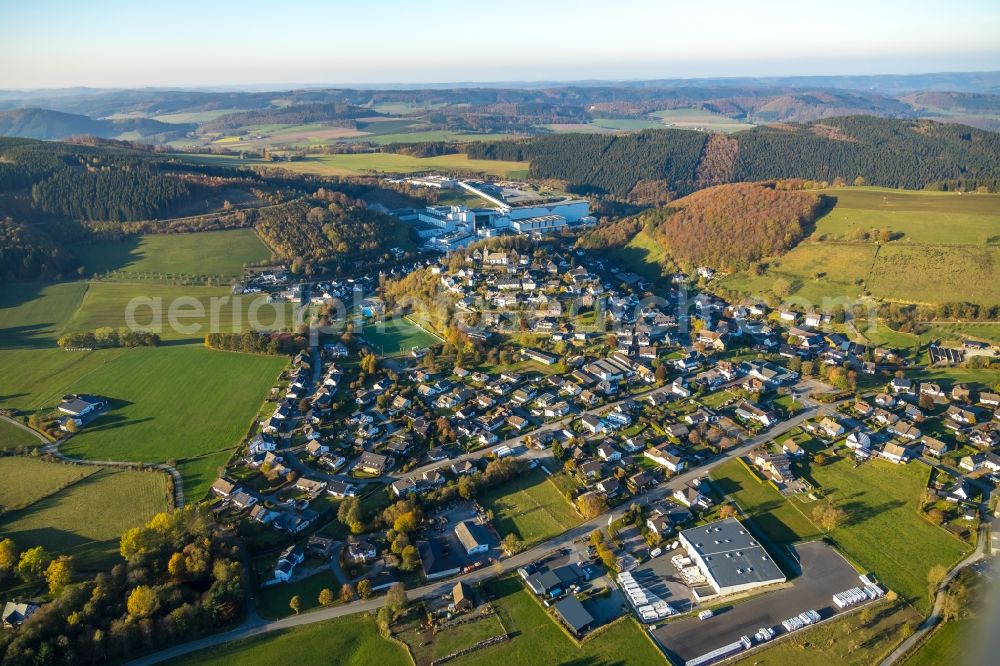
86,519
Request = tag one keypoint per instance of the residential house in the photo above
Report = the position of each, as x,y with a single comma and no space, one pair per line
289,558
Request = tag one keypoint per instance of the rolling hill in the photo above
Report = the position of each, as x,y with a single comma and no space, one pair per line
34,123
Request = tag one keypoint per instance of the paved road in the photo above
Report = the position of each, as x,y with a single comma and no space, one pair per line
52,449
253,627
927,625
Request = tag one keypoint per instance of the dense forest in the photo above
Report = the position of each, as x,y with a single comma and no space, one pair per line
291,115
108,194
606,164
886,152
326,224
726,226
729,226
27,253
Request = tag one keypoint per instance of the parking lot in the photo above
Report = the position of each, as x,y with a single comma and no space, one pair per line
824,573
444,529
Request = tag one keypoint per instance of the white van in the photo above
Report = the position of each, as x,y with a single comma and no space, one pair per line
705,614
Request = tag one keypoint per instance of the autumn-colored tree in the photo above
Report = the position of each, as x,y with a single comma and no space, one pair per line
346,592
727,511
364,588
829,517
143,602
175,566
59,574
33,563
511,544
396,600
295,603
591,505
325,597
8,557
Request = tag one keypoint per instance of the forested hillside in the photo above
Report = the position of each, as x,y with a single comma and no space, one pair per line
729,226
726,227
35,123
326,225
292,115
606,164
26,254
886,152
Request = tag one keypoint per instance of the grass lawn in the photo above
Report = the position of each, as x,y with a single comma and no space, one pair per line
204,253
272,602
12,437
538,640
183,402
348,641
27,480
86,519
426,646
642,256
359,163
777,517
883,531
174,403
937,218
34,314
197,310
944,250
949,643
843,642
845,267
936,273
396,336
530,506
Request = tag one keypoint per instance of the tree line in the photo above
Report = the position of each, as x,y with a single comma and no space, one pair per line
883,151
106,337
181,577
258,342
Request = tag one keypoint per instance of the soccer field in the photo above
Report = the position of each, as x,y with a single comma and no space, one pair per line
396,336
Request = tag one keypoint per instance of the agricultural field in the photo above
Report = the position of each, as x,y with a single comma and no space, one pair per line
12,437
27,480
203,253
185,403
642,256
396,336
933,218
943,248
361,163
538,640
86,519
932,274
883,531
182,117
699,119
199,310
784,521
531,507
813,271
627,124
436,135
843,642
34,314
350,641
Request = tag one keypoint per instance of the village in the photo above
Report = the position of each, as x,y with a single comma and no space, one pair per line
381,467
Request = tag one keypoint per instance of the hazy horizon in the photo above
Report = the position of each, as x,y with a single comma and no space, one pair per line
54,44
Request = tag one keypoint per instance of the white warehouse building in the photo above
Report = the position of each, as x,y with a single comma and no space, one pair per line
729,557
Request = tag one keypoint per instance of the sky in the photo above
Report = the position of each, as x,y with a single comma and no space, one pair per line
185,43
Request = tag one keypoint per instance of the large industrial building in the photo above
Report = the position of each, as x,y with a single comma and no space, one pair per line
447,228
730,558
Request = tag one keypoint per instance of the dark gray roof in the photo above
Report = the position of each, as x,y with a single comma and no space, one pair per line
731,554
574,614
434,560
